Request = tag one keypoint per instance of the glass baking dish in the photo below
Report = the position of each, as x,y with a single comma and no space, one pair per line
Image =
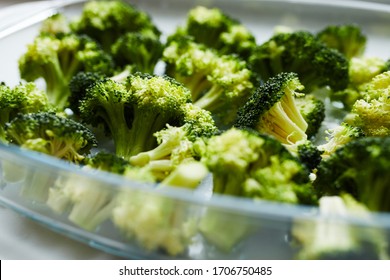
262,229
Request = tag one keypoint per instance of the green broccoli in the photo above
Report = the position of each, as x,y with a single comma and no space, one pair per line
157,221
57,25
106,21
339,136
301,52
360,168
272,110
348,39
361,71
132,112
313,112
89,204
219,84
217,30
331,237
23,98
57,60
141,49
51,134
48,133
370,112
175,144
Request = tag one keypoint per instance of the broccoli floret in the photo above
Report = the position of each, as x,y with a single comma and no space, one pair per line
272,110
57,25
219,84
361,168
51,134
301,52
57,60
339,136
106,21
132,112
175,144
313,112
141,49
23,98
330,237
370,112
361,71
217,30
247,164
309,154
89,204
347,39
156,221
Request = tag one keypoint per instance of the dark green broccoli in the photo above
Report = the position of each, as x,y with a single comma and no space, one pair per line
301,52
57,60
309,154
51,134
132,112
313,111
272,110
23,98
106,21
219,84
348,39
360,168
141,49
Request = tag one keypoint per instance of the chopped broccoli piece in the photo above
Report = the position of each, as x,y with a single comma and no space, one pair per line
90,204
331,237
339,136
219,84
175,144
313,112
106,21
360,168
215,29
23,98
57,60
272,110
301,52
309,154
141,49
347,39
156,221
51,134
57,25
370,112
132,112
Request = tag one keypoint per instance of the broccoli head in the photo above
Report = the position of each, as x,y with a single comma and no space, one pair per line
313,112
57,60
132,112
57,25
141,49
51,134
347,39
23,98
370,112
106,21
360,168
272,110
301,52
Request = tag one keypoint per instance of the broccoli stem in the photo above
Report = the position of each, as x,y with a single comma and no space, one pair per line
197,83
230,184
36,186
211,100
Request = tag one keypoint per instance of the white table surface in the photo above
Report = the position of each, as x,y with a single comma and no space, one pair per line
21,238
